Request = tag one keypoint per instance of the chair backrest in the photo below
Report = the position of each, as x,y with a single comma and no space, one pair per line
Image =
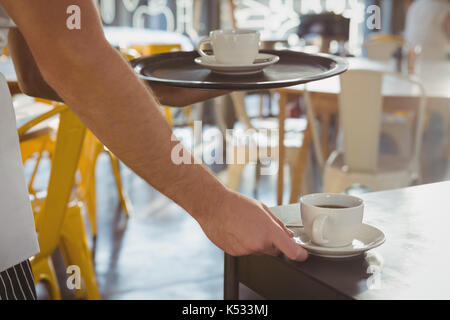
413,81
238,98
65,159
360,108
310,114
232,8
382,47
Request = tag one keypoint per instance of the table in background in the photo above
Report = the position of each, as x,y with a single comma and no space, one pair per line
398,95
127,36
413,263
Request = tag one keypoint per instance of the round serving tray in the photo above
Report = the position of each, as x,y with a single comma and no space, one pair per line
178,69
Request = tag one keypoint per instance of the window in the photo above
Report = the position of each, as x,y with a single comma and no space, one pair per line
170,15
277,19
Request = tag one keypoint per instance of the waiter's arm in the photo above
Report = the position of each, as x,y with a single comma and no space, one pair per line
179,97
31,81
100,87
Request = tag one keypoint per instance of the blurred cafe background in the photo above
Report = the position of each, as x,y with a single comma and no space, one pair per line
139,244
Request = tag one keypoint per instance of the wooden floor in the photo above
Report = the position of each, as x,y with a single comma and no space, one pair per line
161,252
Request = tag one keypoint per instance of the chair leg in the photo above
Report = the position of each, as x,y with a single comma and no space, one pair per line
43,271
308,179
123,196
299,167
257,178
74,243
282,102
79,293
46,140
325,125
91,203
261,105
35,170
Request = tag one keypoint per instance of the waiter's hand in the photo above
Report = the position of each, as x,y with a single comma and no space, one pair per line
181,97
242,226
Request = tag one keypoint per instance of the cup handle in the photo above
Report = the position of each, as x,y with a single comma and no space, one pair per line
200,51
317,230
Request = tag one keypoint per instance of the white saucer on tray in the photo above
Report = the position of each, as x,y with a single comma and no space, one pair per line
367,238
262,61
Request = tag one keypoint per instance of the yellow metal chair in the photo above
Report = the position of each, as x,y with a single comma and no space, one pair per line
58,223
40,139
38,143
92,148
45,142
86,187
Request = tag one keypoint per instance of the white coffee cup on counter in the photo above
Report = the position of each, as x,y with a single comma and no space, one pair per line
232,47
331,220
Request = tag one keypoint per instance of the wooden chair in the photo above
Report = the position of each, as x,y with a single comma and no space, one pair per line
288,142
266,45
34,85
359,161
298,160
381,47
396,126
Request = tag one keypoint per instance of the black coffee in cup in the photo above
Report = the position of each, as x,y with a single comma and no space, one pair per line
331,206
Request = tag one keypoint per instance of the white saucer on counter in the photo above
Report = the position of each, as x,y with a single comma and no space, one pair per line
367,238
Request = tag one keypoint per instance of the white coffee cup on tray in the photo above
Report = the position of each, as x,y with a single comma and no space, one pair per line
232,47
331,220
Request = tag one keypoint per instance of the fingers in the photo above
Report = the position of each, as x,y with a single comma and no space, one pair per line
286,245
289,232
280,223
272,251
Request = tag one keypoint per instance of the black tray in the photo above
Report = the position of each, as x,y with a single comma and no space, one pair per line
178,69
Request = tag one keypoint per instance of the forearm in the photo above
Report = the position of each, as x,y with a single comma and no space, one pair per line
179,97
99,86
115,105
32,83
28,75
